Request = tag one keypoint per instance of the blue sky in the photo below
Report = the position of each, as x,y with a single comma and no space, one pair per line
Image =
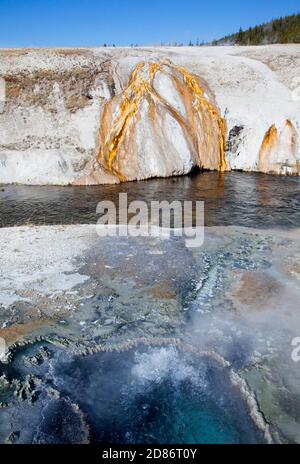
51,23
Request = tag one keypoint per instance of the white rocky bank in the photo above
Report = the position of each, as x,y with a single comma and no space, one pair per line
51,123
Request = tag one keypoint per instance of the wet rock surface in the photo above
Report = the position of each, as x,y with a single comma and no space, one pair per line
146,395
233,302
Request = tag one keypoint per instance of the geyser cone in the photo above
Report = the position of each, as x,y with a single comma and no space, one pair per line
164,123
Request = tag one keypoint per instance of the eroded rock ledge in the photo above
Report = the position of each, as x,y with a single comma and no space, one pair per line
85,116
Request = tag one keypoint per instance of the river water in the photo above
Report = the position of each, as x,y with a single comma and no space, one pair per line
236,296
244,199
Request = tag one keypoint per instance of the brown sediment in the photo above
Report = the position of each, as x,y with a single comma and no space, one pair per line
254,290
162,291
202,125
16,332
269,143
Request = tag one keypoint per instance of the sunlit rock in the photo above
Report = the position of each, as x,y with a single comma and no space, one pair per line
278,153
164,123
100,116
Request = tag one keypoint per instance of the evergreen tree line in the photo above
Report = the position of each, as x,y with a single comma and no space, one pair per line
282,30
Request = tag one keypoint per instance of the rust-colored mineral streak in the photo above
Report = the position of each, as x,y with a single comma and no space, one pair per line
142,108
278,150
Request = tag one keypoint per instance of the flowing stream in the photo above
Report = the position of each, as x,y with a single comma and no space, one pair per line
236,296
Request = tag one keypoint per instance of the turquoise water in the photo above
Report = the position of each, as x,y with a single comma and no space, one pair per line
173,415
158,395
148,395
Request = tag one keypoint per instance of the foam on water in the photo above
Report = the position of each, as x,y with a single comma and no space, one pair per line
146,395
157,365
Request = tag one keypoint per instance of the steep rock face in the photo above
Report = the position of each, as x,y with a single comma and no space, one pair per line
85,116
163,123
278,153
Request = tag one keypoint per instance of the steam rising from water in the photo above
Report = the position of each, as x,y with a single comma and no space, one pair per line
162,364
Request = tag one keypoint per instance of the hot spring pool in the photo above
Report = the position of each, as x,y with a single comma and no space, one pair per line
149,395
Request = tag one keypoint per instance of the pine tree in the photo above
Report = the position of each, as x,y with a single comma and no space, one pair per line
281,30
